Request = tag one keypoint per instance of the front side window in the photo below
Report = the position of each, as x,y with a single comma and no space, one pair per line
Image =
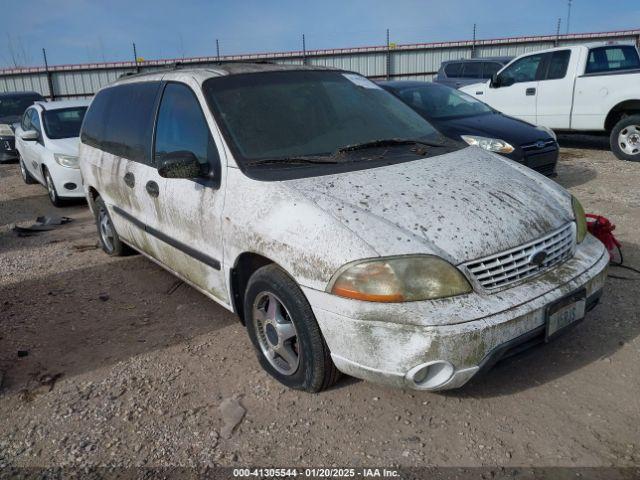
182,126
523,70
35,120
63,123
26,121
558,63
439,102
612,58
303,113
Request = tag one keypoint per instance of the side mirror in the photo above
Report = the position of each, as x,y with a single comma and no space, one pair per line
29,136
181,164
495,81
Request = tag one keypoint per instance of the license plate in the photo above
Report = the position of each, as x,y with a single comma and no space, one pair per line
565,312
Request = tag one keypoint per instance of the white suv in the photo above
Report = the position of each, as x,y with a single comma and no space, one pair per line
47,143
346,233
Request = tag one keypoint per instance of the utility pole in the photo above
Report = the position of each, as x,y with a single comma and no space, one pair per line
558,31
473,45
49,79
569,15
388,73
304,50
135,57
217,49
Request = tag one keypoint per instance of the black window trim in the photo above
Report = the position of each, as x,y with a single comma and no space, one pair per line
213,182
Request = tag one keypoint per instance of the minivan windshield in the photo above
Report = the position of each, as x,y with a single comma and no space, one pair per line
439,102
64,122
14,106
300,114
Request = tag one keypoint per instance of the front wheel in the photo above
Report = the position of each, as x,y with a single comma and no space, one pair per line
284,332
51,190
625,138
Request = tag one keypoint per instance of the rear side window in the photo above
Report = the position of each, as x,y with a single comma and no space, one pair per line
453,70
490,68
472,70
120,120
612,58
182,126
558,63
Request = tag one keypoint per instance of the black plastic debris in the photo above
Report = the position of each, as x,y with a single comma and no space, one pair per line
22,353
42,224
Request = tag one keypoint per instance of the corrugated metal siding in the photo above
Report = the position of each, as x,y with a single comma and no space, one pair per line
415,61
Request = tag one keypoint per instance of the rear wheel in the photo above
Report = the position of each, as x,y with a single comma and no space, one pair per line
109,239
26,176
51,189
625,138
284,332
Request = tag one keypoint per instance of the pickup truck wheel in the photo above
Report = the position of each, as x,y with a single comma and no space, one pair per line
625,138
284,332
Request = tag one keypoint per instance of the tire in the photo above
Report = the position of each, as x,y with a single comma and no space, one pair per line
26,176
109,239
625,138
314,370
51,189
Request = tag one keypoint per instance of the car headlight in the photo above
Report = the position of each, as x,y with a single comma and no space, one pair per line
69,161
551,133
491,144
581,219
5,130
405,278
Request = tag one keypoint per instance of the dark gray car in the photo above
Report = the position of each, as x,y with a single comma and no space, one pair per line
458,73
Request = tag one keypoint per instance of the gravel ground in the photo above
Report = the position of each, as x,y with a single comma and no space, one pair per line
104,362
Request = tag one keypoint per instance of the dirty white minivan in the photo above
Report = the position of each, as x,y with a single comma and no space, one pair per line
347,233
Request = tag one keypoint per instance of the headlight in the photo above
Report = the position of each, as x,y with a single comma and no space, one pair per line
69,161
581,219
406,278
5,130
491,144
551,133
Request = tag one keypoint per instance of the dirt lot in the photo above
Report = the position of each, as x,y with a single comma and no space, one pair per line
119,369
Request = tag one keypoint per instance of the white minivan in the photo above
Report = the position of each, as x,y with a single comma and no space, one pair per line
347,233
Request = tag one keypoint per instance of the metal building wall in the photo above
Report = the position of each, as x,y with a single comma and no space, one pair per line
415,61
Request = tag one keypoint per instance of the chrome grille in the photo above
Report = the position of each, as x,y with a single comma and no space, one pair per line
502,269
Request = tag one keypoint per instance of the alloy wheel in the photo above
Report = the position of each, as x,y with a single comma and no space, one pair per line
106,230
276,333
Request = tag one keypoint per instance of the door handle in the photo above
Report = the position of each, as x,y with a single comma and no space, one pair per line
531,91
152,188
129,179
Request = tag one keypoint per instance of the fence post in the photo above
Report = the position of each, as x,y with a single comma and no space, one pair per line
49,79
388,73
304,50
135,57
217,50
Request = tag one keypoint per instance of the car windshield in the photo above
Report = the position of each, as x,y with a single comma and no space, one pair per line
64,122
292,114
15,106
439,102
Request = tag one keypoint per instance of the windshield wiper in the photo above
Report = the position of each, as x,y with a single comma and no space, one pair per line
302,159
388,142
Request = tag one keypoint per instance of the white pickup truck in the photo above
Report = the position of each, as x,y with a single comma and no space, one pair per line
584,88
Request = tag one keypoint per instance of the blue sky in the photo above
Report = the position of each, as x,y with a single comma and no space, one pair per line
78,31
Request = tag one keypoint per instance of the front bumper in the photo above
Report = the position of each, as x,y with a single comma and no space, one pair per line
68,181
385,343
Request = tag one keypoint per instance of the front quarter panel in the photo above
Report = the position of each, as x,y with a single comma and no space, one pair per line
274,221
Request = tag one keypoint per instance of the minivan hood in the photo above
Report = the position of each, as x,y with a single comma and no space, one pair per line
462,206
66,146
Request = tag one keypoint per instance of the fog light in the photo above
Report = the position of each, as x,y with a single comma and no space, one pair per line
430,375
70,186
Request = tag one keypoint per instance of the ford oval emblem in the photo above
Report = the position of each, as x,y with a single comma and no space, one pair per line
540,144
538,258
